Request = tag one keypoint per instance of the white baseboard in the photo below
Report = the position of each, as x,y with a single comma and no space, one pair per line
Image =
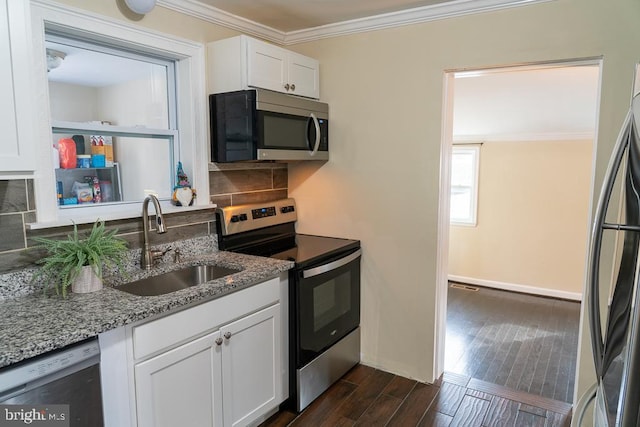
574,296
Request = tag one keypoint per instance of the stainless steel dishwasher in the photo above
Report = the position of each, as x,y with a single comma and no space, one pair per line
69,376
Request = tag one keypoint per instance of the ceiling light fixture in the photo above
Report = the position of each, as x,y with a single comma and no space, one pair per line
140,7
54,59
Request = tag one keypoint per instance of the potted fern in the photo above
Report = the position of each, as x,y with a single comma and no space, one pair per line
78,260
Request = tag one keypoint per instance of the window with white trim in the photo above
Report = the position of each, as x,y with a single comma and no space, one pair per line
164,120
106,99
465,162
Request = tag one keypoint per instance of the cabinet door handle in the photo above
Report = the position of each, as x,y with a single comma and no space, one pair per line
286,86
218,341
293,87
227,335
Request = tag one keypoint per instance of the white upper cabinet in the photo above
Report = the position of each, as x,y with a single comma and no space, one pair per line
266,66
243,62
16,144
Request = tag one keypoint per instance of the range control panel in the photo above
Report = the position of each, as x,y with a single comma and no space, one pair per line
263,212
237,219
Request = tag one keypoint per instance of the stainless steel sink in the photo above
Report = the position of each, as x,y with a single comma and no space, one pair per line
176,280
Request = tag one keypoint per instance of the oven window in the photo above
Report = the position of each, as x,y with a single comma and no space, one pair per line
331,300
327,309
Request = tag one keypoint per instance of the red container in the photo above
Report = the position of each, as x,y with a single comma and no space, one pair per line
67,149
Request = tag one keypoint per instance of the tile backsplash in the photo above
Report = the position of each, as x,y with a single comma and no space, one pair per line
228,185
237,184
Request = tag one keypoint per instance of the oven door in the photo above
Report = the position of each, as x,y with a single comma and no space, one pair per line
327,305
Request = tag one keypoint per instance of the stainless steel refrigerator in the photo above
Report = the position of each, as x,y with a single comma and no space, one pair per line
616,344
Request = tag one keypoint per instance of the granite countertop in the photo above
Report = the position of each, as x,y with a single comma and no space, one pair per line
36,323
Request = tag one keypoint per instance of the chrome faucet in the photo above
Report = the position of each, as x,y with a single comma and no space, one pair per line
149,256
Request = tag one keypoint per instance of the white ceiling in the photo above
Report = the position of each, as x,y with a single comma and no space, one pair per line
548,103
293,15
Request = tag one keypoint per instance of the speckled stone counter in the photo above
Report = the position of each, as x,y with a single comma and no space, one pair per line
34,324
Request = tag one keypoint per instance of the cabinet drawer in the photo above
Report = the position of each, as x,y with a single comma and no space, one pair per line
176,328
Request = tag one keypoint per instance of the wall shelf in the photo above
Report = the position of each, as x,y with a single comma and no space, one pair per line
112,174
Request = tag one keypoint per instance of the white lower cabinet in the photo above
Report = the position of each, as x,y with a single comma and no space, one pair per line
181,387
221,363
227,378
251,366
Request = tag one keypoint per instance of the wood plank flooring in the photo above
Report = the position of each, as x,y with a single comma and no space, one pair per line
370,397
519,341
510,361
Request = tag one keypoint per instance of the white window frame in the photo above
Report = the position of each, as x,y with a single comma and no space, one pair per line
170,134
474,149
191,115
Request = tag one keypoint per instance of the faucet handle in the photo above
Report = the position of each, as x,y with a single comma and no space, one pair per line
176,255
157,254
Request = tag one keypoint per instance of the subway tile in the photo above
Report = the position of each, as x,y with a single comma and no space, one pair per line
13,196
56,232
237,181
31,195
29,217
17,260
189,217
185,232
18,196
12,232
246,165
280,178
173,234
221,201
125,226
258,197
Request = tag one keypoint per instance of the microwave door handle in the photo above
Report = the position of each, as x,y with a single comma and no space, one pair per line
317,126
331,266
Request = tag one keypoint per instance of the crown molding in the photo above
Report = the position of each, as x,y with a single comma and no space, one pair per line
525,137
376,22
404,17
225,19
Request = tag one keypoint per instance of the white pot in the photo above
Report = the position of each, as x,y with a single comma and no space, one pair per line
87,281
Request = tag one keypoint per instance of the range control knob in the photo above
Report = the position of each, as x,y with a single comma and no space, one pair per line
286,209
235,218
243,217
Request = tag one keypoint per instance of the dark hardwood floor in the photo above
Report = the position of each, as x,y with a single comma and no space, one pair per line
519,341
370,397
510,361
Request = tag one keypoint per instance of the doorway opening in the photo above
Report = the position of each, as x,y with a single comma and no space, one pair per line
525,209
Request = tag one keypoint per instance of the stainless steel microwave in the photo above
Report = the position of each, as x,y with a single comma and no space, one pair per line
259,124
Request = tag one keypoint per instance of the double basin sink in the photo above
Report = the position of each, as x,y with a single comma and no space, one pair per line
176,280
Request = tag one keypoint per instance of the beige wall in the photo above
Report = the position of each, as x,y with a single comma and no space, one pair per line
159,19
532,216
385,89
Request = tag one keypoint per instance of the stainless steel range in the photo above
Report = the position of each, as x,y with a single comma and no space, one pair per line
324,291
